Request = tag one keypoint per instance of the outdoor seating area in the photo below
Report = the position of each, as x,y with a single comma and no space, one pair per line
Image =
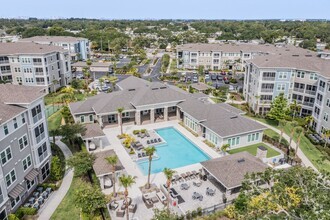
119,207
153,198
147,137
38,198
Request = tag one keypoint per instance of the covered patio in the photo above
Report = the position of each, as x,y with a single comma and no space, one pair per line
93,137
103,169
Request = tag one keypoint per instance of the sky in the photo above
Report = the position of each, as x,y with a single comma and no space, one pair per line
169,9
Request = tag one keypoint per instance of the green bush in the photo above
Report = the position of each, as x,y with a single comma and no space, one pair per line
49,185
25,211
12,217
57,169
135,132
143,131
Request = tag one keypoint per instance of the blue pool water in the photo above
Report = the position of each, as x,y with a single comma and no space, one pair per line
178,151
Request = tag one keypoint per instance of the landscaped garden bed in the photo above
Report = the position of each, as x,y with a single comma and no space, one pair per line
252,149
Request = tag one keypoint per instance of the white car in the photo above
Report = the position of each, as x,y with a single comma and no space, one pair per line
207,76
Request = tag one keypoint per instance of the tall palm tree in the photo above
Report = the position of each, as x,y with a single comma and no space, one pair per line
225,148
149,152
282,124
293,125
257,97
326,135
113,160
299,131
295,107
308,120
120,112
169,175
126,182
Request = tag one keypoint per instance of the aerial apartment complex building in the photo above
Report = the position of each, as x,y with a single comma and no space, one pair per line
33,64
303,76
24,144
79,48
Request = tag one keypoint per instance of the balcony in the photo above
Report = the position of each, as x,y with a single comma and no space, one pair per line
40,83
321,89
37,63
39,73
265,101
310,104
299,90
298,101
319,102
316,115
4,61
267,90
310,92
37,117
40,137
43,156
268,78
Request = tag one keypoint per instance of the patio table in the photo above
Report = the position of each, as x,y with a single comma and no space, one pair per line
183,175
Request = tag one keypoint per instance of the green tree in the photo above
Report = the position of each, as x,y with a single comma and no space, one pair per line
149,152
282,123
66,114
169,175
299,132
71,132
279,108
326,135
308,121
126,182
88,198
82,162
56,169
200,69
120,117
295,107
164,214
113,160
293,128
225,148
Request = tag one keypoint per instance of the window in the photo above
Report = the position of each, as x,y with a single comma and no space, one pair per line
328,102
91,118
257,136
42,152
45,171
29,184
15,123
39,132
301,74
280,87
5,155
325,117
10,178
23,142
282,75
14,202
234,141
36,113
253,137
3,215
313,76
5,129
23,118
82,119
1,198
27,162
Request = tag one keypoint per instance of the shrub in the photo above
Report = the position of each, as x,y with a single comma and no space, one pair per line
208,143
12,217
143,130
49,185
135,132
57,169
25,211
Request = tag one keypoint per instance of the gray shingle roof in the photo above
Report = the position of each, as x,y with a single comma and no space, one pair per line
93,130
230,172
132,82
27,48
9,111
59,39
101,165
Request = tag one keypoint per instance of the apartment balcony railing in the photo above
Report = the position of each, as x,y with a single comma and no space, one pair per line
40,137
37,117
39,73
298,101
40,83
310,92
43,156
4,61
268,78
319,102
37,63
299,90
321,89
265,102
316,115
267,90
310,104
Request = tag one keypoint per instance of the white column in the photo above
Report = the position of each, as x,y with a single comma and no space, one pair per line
102,182
152,115
177,113
119,119
166,113
138,117
101,143
87,145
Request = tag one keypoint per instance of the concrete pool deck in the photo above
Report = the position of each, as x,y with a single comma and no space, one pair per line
132,167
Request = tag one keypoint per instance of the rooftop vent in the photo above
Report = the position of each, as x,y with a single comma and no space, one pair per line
308,55
163,87
295,55
154,88
242,160
233,117
131,90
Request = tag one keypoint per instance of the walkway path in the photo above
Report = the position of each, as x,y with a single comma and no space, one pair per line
56,198
300,154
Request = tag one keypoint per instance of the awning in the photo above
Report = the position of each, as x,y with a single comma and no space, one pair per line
32,175
14,193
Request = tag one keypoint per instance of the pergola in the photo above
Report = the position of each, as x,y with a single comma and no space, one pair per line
93,134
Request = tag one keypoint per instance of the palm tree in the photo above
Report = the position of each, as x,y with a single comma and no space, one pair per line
326,135
120,112
113,160
169,175
257,97
282,124
126,181
295,107
294,125
225,148
299,131
308,120
150,152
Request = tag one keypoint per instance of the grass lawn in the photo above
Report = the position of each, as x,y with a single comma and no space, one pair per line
54,121
252,149
271,133
67,209
57,98
311,152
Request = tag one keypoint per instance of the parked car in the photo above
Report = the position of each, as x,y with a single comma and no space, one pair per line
214,77
230,73
188,78
223,73
207,76
195,79
226,81
206,72
219,77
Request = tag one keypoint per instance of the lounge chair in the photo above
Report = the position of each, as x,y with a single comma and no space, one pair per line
175,193
198,183
139,155
113,205
148,141
159,140
143,135
155,140
132,208
139,135
151,141
120,213
147,134
144,154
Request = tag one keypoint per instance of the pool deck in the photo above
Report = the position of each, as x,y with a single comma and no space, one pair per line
132,168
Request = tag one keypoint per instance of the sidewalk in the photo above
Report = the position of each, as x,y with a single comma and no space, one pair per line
56,198
300,154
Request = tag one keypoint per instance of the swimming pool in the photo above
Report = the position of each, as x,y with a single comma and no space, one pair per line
178,151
